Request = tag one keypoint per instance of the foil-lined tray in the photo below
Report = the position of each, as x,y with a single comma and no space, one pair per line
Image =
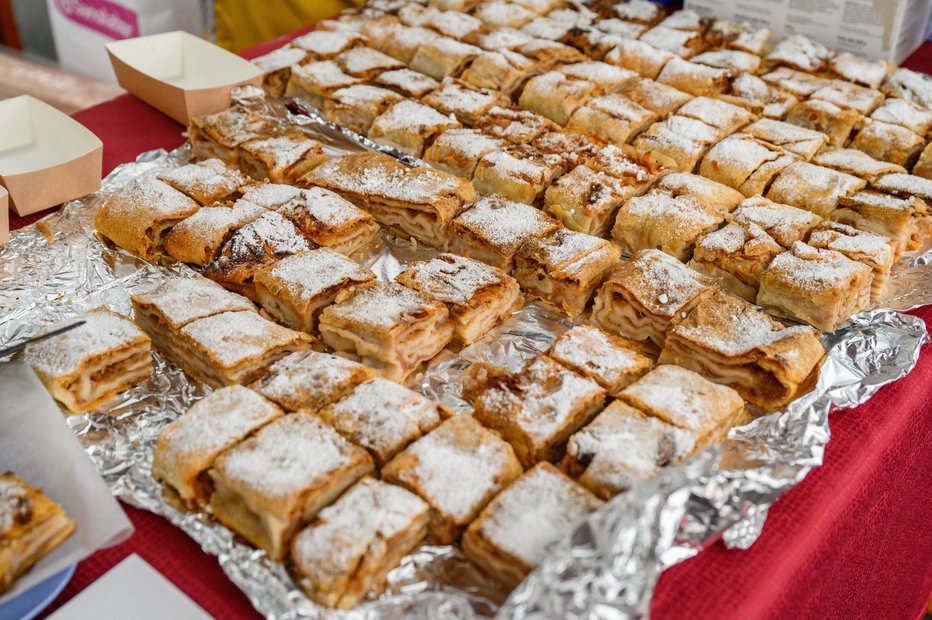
606,569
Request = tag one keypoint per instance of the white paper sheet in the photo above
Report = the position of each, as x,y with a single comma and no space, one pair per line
131,589
37,445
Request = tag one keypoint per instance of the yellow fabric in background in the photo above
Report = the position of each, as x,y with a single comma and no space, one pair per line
245,23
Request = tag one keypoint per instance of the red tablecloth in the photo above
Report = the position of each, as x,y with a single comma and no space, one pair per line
853,540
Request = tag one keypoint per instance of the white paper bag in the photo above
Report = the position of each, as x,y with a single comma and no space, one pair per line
82,27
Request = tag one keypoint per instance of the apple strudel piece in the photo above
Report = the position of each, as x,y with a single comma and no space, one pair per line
793,138
735,61
348,550
266,487
535,409
573,147
266,239
910,85
310,380
643,295
514,125
358,177
548,28
800,52
664,221
900,219
139,217
407,82
564,268
32,525
316,81
821,287
456,468
693,78
280,159
745,163
503,70
923,167
905,114
814,188
269,196
198,239
497,38
827,118
682,43
687,20
297,288
325,44
738,36
443,57
784,223
330,221
188,446
760,97
726,117
622,447
218,135
410,126
860,70
556,95
681,139
90,364
874,250
608,78
398,40
733,343
383,417
458,151
477,296
520,172
630,165
463,100
904,185
512,534
365,62
737,254
638,11
451,22
857,163
502,13
611,361
797,83
712,194
494,229
276,66
598,40
207,181
389,327
686,400
586,201
614,118
639,56
889,142
850,96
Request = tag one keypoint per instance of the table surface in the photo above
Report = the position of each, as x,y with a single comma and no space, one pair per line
852,540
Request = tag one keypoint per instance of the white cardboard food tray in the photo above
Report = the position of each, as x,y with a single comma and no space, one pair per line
4,216
46,157
180,74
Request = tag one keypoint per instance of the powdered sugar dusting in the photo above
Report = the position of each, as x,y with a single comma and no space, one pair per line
452,279
383,305
309,379
231,337
503,223
182,300
309,274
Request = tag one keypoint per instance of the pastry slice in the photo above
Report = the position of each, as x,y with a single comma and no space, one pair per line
595,42
443,57
665,221
573,147
821,287
860,70
513,533
315,81
199,238
269,196
638,11
514,125
188,446
611,361
358,177
268,238
743,162
90,364
498,38
682,43
614,118
923,167
910,85
640,57
737,254
725,117
139,217
310,380
850,96
556,95
608,78
686,400
458,151
857,163
535,409
874,250
280,159
297,288
564,268
622,447
463,100
478,296
503,70
276,67
365,62
711,194
800,52
501,13
586,201
904,185
325,44
451,22
827,118
890,143
630,165
402,42
905,114
494,229
330,221
269,485
797,83
793,138
645,293
31,526
456,468
738,36
217,135
695,79
733,343
760,97
520,172
410,126
814,188
407,82
900,219
389,327
735,61
382,416
784,223
348,550
207,181
681,139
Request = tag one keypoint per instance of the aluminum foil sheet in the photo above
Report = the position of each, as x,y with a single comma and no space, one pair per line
606,569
